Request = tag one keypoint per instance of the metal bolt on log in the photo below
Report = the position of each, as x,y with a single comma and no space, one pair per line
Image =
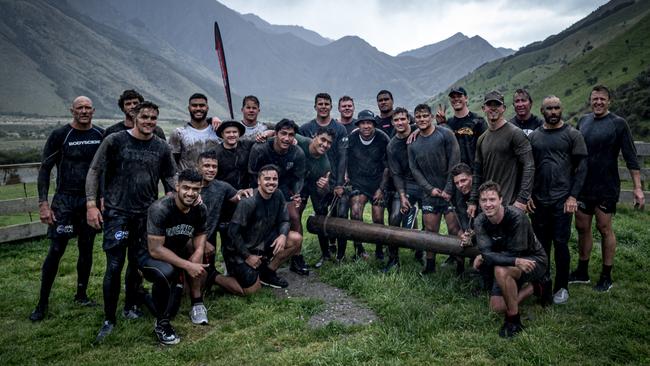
388,235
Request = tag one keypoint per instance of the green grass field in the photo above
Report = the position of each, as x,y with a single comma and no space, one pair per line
433,320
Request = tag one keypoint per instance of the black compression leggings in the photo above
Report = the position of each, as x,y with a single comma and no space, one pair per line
164,277
51,265
115,258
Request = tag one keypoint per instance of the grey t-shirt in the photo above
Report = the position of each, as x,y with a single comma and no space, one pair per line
432,157
189,142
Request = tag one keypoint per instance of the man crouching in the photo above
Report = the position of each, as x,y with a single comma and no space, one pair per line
507,243
260,236
172,222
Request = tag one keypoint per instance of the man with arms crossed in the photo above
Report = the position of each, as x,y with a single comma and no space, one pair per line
507,243
561,166
606,135
172,222
261,239
132,162
70,148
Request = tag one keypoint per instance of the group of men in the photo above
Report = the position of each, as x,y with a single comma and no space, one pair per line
249,183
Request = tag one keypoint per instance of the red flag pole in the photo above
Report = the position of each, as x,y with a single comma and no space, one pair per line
218,45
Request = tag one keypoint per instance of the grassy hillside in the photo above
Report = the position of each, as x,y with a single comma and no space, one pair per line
612,49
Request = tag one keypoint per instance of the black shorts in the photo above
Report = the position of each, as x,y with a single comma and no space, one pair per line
70,213
535,275
124,230
435,205
588,206
237,267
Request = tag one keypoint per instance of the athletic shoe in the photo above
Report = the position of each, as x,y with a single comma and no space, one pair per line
576,277
165,332
322,261
561,296
133,313
509,330
199,314
393,263
429,267
104,331
603,284
299,266
271,279
84,301
38,314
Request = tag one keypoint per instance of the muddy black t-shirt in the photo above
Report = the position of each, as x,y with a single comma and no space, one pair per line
164,218
529,125
560,165
385,125
605,138
349,127
337,154
71,151
132,169
367,162
291,165
315,167
500,244
432,157
120,126
256,221
214,196
467,130
233,164
398,163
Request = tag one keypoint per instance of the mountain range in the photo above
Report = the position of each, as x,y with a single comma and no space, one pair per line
53,50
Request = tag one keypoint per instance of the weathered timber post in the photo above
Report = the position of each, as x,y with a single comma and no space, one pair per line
387,235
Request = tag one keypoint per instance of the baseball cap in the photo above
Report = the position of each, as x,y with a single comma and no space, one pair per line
493,96
458,90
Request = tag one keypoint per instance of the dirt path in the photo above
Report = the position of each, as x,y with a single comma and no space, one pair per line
339,306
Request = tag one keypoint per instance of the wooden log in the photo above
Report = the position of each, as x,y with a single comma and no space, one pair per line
388,235
22,231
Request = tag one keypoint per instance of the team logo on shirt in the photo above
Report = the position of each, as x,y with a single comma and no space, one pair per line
182,229
64,229
119,235
466,131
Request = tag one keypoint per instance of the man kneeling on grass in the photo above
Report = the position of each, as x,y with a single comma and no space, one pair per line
260,240
507,243
172,222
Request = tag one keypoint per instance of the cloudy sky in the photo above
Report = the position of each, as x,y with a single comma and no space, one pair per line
396,26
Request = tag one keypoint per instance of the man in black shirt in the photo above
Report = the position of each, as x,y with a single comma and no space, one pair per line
290,159
409,193
70,148
508,245
346,113
261,240
561,166
385,104
368,173
128,102
466,125
524,119
172,223
431,158
132,162
606,135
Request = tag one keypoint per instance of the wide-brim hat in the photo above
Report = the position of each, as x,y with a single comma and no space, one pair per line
365,115
226,124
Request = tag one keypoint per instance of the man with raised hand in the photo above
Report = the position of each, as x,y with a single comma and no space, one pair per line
503,155
128,102
290,160
431,158
368,173
70,148
524,119
561,166
508,246
606,136
172,223
132,162
466,125
196,136
261,239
